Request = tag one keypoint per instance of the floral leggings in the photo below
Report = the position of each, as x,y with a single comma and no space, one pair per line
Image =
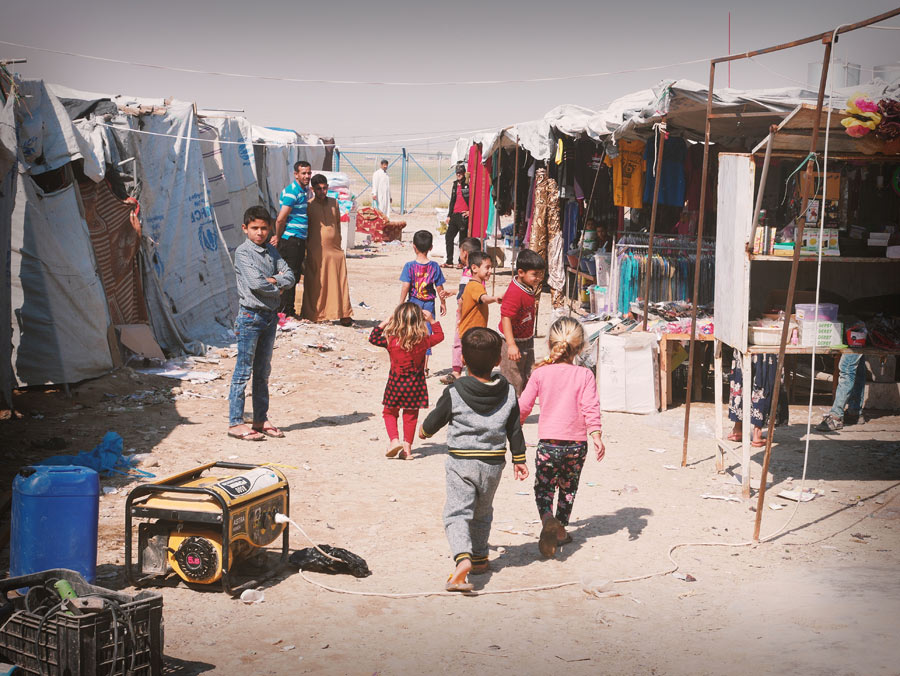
558,465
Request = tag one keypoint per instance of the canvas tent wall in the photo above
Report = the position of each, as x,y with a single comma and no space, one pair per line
8,176
228,158
187,254
276,151
57,303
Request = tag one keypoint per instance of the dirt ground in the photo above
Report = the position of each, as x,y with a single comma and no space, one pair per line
823,597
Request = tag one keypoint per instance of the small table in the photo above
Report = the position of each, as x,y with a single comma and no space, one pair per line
667,344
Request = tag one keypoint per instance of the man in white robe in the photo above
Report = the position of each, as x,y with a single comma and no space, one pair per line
381,189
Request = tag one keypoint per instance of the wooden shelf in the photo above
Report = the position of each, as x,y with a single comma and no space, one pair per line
796,349
825,259
584,275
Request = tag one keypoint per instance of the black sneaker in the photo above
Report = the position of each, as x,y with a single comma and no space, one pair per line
830,423
857,418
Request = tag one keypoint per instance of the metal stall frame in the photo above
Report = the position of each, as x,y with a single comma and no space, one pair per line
827,39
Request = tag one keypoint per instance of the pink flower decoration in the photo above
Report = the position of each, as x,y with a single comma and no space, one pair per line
866,105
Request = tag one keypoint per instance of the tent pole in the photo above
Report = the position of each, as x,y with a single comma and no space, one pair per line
789,301
762,186
659,158
499,154
580,240
703,176
512,263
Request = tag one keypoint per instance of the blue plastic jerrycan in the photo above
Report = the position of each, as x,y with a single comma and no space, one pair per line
54,520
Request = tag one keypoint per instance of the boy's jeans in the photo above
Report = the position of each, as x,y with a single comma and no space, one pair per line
255,331
851,384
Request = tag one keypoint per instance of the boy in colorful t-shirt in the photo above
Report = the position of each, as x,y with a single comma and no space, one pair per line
517,318
422,279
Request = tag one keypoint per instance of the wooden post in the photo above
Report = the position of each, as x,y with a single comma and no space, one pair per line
792,284
691,350
720,433
647,277
762,186
499,155
515,247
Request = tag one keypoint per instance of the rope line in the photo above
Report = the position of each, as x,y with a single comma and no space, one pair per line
275,78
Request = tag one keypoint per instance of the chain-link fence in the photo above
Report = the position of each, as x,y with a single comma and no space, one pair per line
418,180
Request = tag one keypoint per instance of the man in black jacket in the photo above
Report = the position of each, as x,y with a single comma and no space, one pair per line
458,211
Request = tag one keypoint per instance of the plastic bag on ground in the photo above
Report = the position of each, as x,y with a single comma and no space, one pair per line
313,560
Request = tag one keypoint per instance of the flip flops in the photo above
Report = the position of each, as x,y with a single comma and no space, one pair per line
270,431
464,586
253,435
548,541
394,449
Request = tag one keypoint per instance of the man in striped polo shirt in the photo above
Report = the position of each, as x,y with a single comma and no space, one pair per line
290,230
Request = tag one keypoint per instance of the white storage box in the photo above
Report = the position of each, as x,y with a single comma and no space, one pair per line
821,334
628,373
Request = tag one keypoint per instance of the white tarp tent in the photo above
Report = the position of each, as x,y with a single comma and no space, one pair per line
230,173
8,175
188,254
275,160
60,332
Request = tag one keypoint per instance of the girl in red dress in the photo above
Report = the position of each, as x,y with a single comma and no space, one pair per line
405,335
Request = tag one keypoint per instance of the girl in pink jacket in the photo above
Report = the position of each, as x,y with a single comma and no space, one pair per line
570,412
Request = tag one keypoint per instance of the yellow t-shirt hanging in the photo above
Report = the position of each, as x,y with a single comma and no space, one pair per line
628,174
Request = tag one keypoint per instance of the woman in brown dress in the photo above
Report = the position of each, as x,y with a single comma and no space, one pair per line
326,293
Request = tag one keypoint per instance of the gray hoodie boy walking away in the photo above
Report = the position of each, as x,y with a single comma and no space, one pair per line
482,413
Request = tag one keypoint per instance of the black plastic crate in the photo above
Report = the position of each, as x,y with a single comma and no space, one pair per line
126,640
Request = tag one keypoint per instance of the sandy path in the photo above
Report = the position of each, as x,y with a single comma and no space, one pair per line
827,608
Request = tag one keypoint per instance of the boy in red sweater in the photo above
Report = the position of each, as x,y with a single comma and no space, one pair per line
517,318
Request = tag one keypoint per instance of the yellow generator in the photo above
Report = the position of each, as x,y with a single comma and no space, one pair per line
199,525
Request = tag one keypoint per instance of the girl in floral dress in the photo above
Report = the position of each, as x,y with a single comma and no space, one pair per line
406,338
570,412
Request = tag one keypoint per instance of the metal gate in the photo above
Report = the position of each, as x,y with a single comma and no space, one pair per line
423,178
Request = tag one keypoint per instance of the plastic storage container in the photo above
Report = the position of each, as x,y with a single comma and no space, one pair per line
126,637
54,520
828,312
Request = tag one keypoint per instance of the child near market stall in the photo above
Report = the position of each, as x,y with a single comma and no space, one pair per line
422,281
406,337
517,319
467,246
570,413
481,412
473,307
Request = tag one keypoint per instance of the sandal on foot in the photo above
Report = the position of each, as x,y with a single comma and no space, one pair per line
270,431
548,541
252,435
758,444
394,449
565,541
734,437
464,586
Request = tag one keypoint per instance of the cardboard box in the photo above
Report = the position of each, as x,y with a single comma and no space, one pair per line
830,245
821,334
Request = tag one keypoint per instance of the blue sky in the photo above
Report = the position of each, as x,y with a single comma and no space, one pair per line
421,42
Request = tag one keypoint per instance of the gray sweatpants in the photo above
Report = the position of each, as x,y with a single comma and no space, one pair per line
469,509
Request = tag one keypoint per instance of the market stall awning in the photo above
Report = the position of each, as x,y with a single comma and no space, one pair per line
794,133
740,118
